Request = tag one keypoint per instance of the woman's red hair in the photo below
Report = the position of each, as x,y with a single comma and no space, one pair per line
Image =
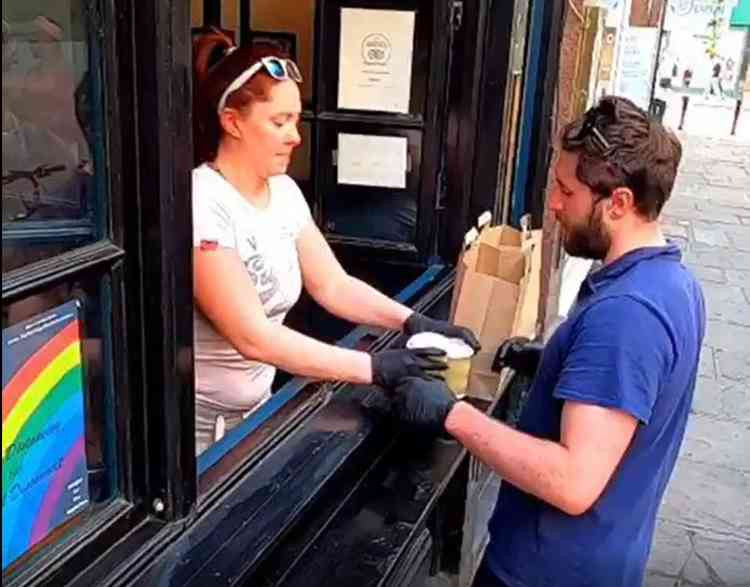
216,65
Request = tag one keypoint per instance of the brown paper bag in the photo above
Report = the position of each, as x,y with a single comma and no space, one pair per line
496,295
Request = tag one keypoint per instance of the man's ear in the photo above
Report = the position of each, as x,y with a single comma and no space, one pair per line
621,202
229,121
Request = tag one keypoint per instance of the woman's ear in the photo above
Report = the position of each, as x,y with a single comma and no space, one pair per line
229,120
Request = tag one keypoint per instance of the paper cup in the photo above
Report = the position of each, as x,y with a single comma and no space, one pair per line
458,355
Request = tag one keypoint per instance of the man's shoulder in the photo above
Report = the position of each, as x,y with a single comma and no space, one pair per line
663,282
620,310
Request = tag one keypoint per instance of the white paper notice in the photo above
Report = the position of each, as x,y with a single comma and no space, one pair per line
375,57
635,69
371,160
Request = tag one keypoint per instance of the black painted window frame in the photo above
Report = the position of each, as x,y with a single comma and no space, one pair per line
146,253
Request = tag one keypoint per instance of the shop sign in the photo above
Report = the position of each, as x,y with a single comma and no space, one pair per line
694,16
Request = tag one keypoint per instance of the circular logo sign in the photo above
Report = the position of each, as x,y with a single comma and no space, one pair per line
376,49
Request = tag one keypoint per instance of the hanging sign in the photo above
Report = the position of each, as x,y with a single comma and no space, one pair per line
375,58
45,479
695,16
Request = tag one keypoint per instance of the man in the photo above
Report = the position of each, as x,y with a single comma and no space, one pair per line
585,472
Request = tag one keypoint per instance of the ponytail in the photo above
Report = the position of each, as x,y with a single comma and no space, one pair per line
208,49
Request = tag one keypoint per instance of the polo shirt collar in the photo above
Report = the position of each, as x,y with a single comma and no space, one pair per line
618,267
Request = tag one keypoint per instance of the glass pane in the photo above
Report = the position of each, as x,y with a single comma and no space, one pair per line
362,191
52,129
372,213
301,163
294,25
196,13
58,432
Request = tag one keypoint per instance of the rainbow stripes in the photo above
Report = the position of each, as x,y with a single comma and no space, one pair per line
44,457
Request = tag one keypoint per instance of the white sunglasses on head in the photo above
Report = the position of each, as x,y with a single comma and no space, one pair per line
278,68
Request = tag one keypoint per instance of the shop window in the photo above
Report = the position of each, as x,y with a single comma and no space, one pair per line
300,167
293,29
370,181
52,131
58,423
60,469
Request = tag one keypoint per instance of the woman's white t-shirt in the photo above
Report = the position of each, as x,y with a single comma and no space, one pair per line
265,240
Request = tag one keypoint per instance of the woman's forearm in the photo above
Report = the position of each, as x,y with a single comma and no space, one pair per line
296,353
358,302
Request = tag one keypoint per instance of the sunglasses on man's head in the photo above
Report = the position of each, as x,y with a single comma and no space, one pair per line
588,131
277,67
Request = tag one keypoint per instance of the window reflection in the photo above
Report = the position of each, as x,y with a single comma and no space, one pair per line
372,214
50,116
300,164
298,20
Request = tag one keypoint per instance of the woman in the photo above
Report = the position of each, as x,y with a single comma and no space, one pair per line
255,246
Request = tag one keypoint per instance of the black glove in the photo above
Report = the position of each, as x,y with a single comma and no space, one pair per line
389,367
520,354
417,323
424,404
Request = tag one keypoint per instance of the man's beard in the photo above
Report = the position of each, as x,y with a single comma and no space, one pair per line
589,240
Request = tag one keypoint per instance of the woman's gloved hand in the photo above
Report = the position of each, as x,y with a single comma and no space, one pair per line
417,323
389,367
423,404
520,354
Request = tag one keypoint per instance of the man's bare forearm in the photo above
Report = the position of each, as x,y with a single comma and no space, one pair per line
540,467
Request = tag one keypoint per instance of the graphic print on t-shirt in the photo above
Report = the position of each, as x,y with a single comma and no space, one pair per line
265,281
266,243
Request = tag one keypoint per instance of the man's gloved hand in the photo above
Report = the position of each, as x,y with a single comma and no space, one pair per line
520,354
423,404
417,323
391,366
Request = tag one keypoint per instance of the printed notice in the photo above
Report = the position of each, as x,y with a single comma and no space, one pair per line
372,160
375,58
45,479
636,64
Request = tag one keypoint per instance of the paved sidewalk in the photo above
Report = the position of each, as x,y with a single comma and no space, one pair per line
703,537
707,117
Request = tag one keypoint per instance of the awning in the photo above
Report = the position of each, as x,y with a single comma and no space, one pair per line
741,15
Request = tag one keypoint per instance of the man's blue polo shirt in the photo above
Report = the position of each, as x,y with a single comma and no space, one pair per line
631,342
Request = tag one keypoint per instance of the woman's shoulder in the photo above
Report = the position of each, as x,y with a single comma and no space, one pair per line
286,188
284,183
208,185
290,198
203,175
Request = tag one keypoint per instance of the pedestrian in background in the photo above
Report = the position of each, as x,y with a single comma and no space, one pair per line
715,87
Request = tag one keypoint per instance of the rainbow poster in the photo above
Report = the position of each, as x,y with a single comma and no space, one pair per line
44,450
